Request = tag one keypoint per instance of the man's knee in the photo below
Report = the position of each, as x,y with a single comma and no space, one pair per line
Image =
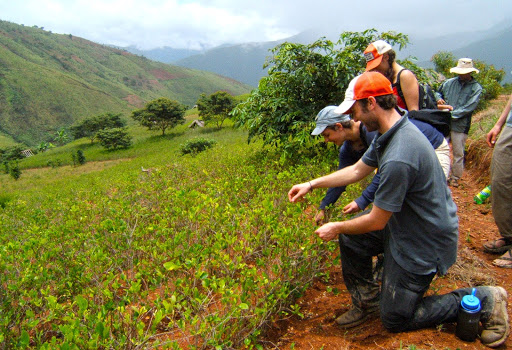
394,322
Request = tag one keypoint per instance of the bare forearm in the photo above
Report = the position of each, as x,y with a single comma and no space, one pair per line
375,220
503,117
343,177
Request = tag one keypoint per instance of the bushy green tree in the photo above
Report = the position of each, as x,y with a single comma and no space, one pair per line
302,79
215,108
78,157
114,138
11,153
489,77
160,114
91,125
14,170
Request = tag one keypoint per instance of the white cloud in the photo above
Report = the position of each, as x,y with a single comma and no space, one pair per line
195,23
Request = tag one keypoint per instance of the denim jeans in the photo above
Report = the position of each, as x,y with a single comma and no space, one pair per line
402,303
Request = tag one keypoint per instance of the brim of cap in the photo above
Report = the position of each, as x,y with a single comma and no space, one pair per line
318,130
373,63
458,70
344,107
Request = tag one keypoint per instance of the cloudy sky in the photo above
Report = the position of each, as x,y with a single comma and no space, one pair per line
194,24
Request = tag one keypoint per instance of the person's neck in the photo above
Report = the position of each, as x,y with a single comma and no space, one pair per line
355,134
387,119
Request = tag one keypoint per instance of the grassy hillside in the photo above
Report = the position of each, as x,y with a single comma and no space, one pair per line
48,81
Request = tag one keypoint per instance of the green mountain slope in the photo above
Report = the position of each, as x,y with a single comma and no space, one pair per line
49,81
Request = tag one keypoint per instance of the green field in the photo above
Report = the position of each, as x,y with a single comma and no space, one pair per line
200,252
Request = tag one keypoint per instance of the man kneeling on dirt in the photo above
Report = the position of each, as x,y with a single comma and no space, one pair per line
413,222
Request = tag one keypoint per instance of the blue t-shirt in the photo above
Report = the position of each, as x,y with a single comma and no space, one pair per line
424,224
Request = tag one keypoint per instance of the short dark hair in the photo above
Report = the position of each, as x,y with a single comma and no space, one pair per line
346,124
386,102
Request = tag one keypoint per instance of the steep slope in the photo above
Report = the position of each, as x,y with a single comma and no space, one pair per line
49,81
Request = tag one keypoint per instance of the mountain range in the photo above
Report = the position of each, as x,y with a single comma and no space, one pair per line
49,81
244,62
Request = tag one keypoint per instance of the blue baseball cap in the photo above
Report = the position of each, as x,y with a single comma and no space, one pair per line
327,116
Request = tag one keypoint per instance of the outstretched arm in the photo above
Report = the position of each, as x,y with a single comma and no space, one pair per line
343,177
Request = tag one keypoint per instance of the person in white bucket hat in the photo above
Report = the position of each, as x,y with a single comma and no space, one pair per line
463,94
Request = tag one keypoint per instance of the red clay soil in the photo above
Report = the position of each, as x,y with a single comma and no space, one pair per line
323,302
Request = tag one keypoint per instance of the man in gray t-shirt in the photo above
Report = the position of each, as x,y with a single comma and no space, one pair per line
413,222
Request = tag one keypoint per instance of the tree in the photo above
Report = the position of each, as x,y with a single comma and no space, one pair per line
114,138
215,108
161,114
61,136
302,79
91,125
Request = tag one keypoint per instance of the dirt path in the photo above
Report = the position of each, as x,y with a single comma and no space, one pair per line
323,302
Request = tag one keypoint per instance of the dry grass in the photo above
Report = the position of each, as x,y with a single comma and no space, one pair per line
478,153
470,269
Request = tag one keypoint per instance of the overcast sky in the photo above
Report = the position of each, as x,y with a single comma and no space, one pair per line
194,24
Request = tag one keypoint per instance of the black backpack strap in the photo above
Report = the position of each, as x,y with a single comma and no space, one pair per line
399,88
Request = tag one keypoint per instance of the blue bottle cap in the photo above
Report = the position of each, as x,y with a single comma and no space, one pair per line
471,302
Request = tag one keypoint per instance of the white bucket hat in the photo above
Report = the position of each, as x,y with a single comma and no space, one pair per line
464,66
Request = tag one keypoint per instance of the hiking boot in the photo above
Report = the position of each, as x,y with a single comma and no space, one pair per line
355,316
453,182
496,328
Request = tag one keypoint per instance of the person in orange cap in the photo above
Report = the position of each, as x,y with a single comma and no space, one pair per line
413,221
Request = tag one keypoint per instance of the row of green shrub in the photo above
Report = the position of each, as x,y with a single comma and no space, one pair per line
202,252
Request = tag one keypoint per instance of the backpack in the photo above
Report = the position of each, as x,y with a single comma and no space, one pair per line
427,99
439,119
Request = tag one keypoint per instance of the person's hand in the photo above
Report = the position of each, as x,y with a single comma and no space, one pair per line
492,135
444,107
351,208
319,217
298,192
441,102
328,232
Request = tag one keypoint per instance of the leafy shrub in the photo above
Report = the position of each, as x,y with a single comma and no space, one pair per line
78,157
114,138
14,171
196,145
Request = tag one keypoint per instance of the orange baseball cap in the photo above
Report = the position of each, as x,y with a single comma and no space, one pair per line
373,53
363,86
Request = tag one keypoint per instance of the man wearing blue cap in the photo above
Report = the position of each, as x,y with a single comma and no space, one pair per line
354,139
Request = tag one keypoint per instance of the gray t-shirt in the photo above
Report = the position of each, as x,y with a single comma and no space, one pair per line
424,226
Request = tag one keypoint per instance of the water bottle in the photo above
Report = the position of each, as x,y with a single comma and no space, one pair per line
468,317
483,195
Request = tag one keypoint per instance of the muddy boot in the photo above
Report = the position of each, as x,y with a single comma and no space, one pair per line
355,316
495,326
